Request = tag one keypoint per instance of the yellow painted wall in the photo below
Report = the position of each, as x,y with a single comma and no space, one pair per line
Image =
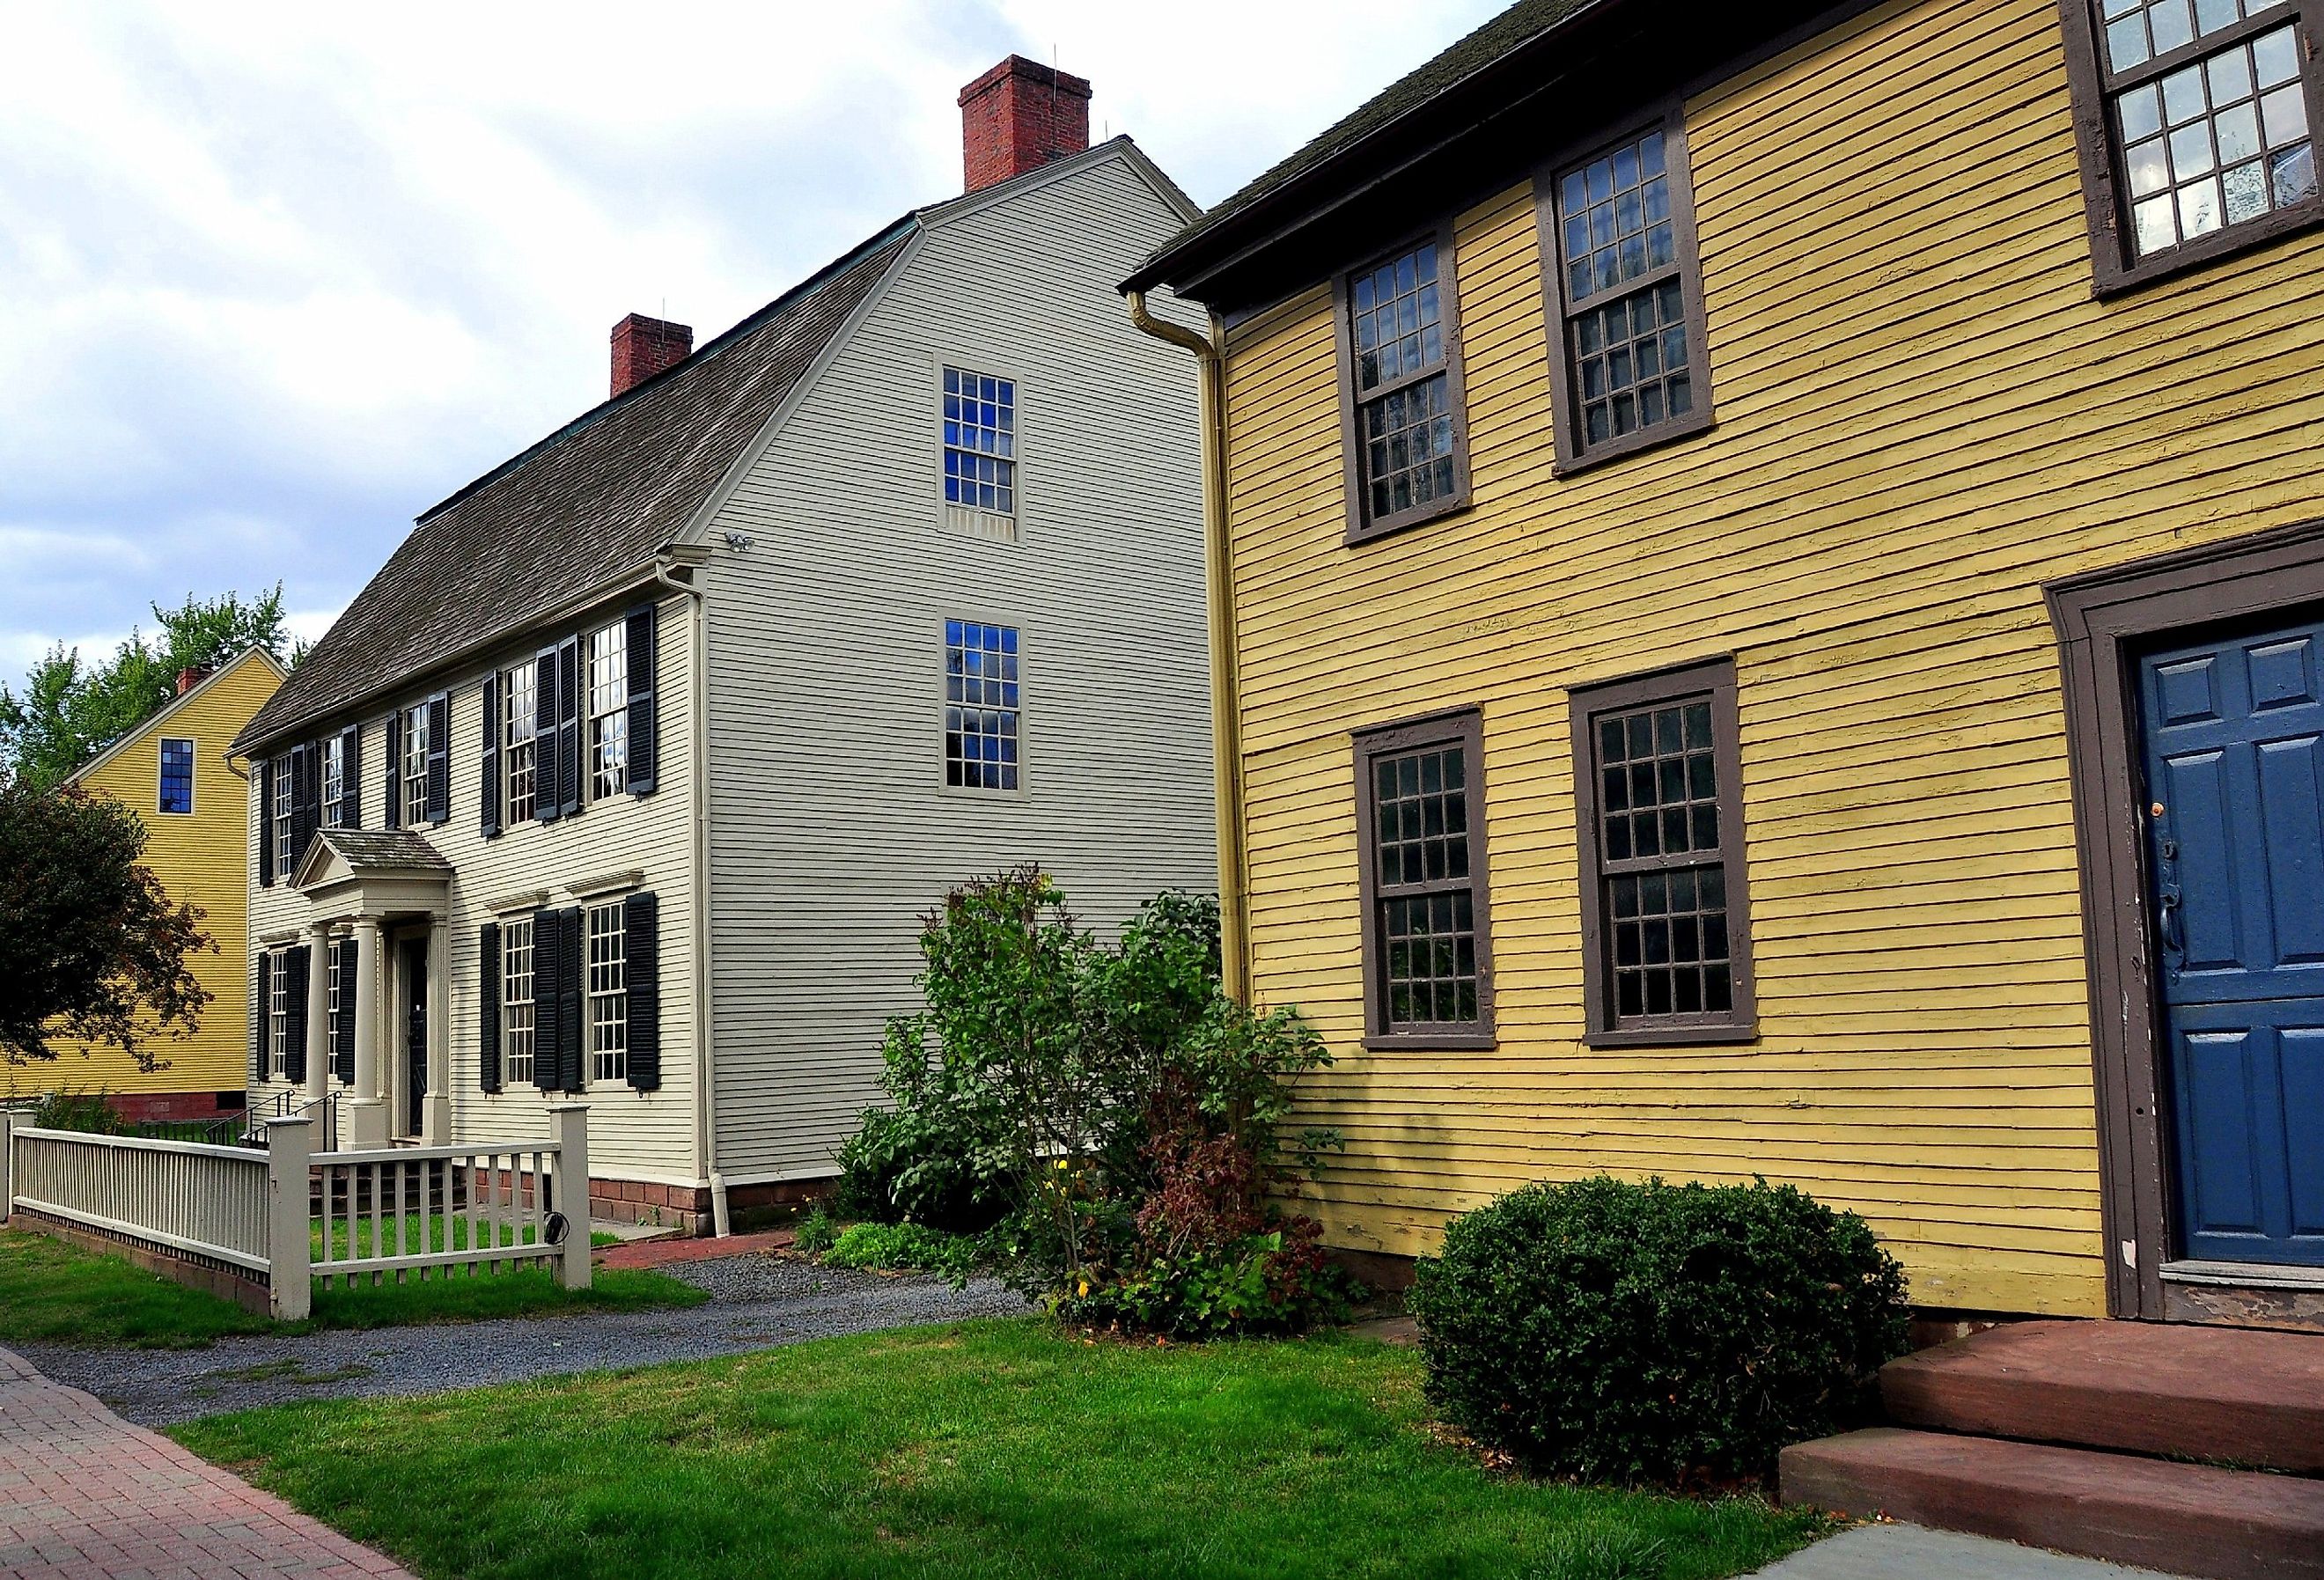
1922,415
200,858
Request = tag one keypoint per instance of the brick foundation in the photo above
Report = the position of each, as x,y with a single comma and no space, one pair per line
687,1207
153,1107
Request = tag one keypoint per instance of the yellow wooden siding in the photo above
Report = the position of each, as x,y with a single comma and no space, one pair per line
199,859
1922,415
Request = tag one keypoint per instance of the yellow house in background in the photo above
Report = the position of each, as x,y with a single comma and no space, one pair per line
1769,566
172,772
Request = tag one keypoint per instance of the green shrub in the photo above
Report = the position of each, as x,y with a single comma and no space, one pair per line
817,1233
1657,1333
904,1248
82,1110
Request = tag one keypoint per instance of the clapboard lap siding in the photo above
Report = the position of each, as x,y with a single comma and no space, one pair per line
832,830
632,1135
1923,416
199,859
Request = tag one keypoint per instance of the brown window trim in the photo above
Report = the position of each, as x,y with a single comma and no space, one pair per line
2115,272
2105,619
1714,678
1572,455
1362,527
1466,728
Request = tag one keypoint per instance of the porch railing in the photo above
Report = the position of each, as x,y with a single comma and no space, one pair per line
283,1218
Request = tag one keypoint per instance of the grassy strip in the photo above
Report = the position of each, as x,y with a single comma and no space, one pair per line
985,1449
51,1293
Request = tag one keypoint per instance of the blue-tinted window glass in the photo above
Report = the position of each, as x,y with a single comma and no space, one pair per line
177,776
980,438
981,712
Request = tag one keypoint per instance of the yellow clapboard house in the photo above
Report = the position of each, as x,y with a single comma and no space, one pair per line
172,772
1768,583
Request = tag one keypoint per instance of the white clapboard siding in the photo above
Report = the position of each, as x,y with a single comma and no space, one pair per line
831,829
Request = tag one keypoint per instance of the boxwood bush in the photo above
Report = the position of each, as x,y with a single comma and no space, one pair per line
1669,1333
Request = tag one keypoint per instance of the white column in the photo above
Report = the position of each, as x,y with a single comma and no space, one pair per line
436,1112
367,1113
318,1012
290,1282
572,1128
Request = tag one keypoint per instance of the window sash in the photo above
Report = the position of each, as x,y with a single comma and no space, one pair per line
335,781
609,711
2156,66
608,993
278,1013
174,774
518,1010
980,458
1358,402
1460,737
983,716
520,718
282,818
415,766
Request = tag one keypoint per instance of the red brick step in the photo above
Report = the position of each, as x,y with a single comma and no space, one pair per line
2239,1395
2182,1518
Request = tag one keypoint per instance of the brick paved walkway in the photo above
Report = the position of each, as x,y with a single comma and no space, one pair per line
84,1495
663,1252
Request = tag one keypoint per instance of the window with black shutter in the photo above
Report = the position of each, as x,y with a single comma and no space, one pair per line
295,966
488,993
439,758
643,668
258,1016
350,808
641,942
571,992
488,786
549,789
570,788
549,1026
391,786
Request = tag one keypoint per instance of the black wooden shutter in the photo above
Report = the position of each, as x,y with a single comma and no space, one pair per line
343,1028
572,989
641,955
259,1019
642,710
439,757
489,821
488,1005
294,1031
548,794
305,802
548,1026
394,779
266,824
569,682
351,778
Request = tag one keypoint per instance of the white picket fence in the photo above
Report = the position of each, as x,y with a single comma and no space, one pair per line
289,1214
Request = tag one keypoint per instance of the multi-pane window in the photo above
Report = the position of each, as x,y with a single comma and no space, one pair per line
278,816
2206,114
1404,397
331,990
1661,841
413,769
980,441
608,993
516,999
278,1013
177,789
1631,370
520,700
980,707
609,711
335,783
1420,802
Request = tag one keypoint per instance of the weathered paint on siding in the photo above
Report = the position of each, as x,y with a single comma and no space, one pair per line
200,860
832,830
632,1135
1922,415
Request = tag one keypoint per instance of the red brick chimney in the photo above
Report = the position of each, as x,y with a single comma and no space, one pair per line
191,677
1019,116
643,346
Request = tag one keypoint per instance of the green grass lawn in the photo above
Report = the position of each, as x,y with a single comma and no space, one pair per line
57,1293
986,1449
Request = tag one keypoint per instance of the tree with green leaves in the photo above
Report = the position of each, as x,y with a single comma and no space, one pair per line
91,946
70,711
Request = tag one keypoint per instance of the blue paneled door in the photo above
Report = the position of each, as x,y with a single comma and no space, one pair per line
2235,779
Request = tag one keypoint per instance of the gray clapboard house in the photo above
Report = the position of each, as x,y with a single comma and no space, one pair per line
631,771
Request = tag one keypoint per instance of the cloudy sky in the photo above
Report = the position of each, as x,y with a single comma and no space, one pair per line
276,277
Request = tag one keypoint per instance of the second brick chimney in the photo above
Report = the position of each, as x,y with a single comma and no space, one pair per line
1019,116
643,346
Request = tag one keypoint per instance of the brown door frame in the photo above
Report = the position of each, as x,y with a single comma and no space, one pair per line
2105,619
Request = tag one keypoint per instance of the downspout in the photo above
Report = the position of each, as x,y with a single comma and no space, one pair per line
1226,690
706,1084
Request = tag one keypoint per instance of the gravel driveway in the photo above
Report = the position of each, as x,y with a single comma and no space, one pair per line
758,1302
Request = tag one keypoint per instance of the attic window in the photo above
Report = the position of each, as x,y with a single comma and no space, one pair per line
177,787
980,441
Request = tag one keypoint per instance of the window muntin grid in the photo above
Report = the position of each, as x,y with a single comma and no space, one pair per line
331,998
516,999
335,781
608,993
982,716
980,441
278,1013
414,766
1404,421
1632,366
609,711
519,703
1430,973
176,791
279,833
2219,142
2137,31
1662,861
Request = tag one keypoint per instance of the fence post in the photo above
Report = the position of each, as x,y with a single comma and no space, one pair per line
573,1191
9,1120
289,1250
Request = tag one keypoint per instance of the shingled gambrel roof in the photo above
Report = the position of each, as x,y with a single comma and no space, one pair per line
597,498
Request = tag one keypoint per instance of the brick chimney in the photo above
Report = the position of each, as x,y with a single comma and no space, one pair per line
1019,116
643,346
188,678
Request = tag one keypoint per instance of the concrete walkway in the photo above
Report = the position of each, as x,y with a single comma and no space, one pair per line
84,1495
1912,1552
